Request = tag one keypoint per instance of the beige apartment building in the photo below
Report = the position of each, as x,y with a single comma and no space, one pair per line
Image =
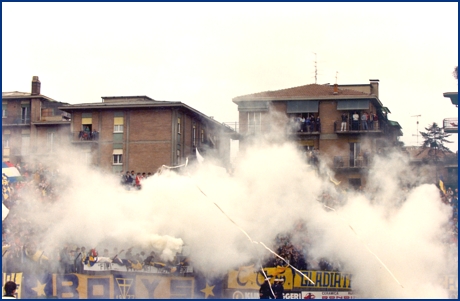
348,151
32,125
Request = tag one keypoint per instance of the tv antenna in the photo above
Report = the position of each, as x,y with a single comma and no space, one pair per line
316,69
417,116
336,75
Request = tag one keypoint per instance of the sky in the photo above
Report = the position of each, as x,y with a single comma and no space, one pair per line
206,54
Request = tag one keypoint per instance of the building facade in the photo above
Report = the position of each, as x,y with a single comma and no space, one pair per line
348,148
138,133
32,125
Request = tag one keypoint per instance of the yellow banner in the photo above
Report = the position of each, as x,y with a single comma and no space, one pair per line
248,278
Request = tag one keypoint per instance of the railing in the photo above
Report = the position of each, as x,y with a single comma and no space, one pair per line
347,162
450,125
15,120
232,125
358,127
85,136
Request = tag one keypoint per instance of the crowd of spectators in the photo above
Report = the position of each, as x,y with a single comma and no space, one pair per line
21,247
22,252
293,247
133,180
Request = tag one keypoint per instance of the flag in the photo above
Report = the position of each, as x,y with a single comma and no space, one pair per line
333,180
199,157
5,212
208,288
441,186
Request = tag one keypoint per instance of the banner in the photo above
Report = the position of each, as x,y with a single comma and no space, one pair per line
16,278
251,279
127,285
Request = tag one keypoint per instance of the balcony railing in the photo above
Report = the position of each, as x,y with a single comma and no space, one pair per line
347,162
85,136
16,120
450,125
358,127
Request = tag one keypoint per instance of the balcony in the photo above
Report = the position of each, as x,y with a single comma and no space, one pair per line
375,128
15,120
450,125
341,162
85,137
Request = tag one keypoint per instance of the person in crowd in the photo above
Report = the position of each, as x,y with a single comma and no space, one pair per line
150,260
129,179
364,122
308,123
355,121
303,126
133,178
265,291
66,260
122,178
371,121
278,288
10,289
312,124
343,126
318,124
138,180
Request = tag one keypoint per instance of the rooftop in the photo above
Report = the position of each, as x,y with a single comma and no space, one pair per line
18,95
306,91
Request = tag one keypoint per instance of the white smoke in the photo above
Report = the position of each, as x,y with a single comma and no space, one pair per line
271,189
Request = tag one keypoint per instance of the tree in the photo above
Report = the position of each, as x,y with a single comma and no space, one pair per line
455,73
434,139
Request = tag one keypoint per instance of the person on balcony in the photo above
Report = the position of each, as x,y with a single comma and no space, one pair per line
343,127
364,122
318,124
308,123
355,122
371,121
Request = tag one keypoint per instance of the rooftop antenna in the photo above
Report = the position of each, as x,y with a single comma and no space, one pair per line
316,69
336,74
417,116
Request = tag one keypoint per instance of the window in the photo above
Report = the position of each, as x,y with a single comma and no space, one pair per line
178,155
254,122
117,159
355,149
118,124
3,110
354,183
25,114
202,136
6,141
118,128
51,140
194,135
178,125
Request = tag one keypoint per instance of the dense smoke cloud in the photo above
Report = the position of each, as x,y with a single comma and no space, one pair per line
270,191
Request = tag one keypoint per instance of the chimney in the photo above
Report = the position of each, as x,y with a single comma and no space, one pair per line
374,87
35,85
336,89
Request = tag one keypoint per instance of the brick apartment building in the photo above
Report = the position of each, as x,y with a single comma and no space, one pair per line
32,125
348,152
138,133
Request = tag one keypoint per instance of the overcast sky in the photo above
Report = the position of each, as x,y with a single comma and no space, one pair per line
205,54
